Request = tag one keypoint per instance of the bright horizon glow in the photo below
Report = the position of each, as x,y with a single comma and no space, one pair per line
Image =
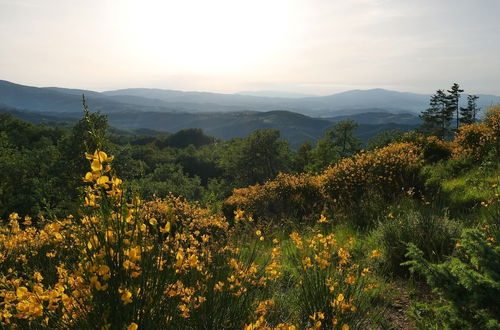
305,46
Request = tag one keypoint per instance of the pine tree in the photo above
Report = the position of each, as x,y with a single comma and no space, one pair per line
468,114
454,97
438,116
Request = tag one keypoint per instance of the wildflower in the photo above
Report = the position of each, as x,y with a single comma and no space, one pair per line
193,260
350,280
37,276
375,254
179,257
21,292
135,253
166,229
103,181
126,296
218,286
132,326
322,219
238,215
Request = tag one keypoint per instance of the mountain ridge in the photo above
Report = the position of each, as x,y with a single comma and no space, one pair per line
161,100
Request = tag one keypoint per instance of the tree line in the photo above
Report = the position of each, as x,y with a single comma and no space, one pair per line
445,115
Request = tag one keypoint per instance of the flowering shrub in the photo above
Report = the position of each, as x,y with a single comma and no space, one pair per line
387,172
477,140
126,264
334,292
286,197
433,148
473,140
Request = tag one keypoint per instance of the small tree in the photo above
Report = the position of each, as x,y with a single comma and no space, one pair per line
438,116
256,158
338,142
454,97
343,138
469,113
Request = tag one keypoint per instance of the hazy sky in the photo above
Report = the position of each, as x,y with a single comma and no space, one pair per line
307,46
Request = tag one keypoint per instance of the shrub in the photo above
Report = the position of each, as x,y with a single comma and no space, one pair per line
433,148
333,292
434,235
124,263
294,197
481,139
467,283
387,173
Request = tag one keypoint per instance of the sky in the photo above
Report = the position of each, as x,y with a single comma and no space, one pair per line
305,46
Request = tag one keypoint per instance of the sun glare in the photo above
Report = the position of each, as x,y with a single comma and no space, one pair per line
207,36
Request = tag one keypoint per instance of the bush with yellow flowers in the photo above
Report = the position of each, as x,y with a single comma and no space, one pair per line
293,197
433,148
333,291
123,263
387,172
480,139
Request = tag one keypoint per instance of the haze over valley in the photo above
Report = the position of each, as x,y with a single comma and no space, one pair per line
223,115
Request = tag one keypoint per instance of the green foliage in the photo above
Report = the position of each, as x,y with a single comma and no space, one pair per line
186,137
438,116
460,185
337,143
469,114
468,284
453,99
255,159
433,148
384,139
412,223
169,178
87,135
28,160
302,157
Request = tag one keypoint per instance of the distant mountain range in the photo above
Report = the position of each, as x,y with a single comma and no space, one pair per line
275,94
223,115
160,100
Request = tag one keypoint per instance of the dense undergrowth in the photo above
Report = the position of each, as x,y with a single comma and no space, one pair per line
321,251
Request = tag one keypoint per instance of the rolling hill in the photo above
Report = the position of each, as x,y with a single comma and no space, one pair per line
159,100
294,127
222,115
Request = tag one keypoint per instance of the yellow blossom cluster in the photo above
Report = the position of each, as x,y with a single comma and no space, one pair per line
387,171
261,323
476,140
124,262
333,286
287,196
